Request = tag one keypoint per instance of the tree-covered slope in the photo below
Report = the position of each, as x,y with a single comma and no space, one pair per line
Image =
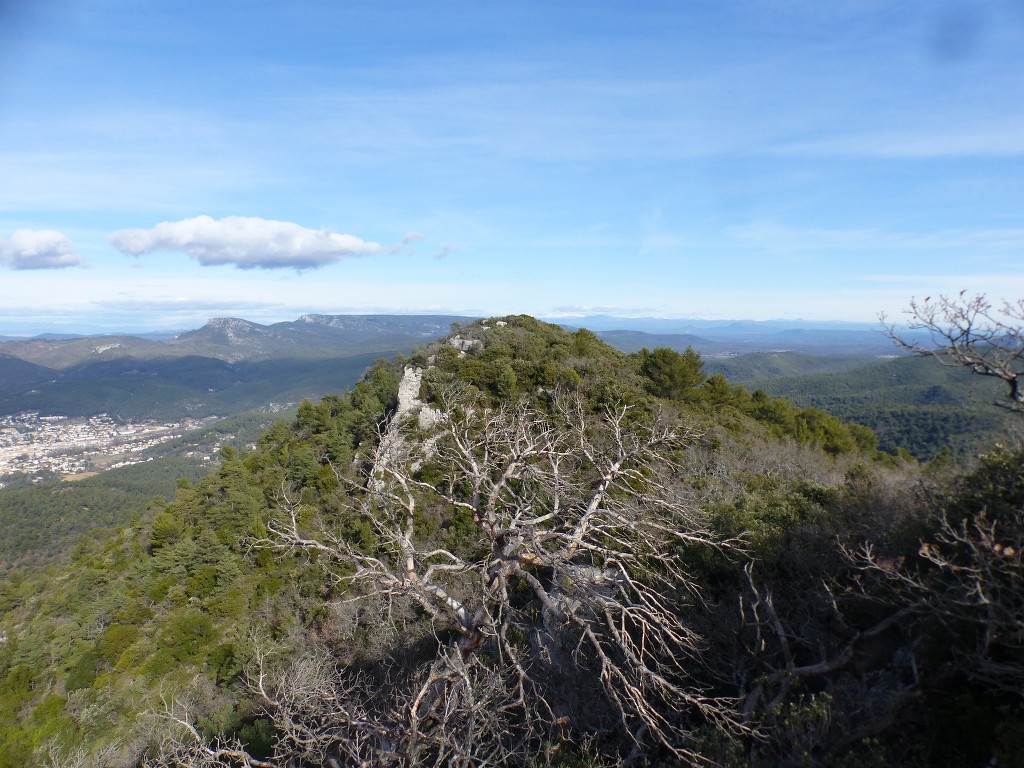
758,366
521,546
913,403
170,388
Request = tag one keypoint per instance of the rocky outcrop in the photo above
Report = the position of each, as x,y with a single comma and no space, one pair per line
464,345
409,402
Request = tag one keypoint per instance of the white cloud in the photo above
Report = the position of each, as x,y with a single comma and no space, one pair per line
248,242
38,249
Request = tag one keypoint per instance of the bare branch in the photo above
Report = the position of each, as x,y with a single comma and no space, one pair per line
572,570
968,332
971,580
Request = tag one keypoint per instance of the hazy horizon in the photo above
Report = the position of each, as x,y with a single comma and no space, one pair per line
676,325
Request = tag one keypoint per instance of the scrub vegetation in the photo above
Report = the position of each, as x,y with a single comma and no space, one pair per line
559,555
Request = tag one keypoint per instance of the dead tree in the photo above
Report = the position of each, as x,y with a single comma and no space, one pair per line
968,332
557,610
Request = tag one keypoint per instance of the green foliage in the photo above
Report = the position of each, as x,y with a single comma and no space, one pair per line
913,403
996,485
167,529
784,419
176,592
185,635
44,521
116,639
519,356
83,671
670,374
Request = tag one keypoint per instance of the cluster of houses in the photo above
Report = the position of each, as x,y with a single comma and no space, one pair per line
46,446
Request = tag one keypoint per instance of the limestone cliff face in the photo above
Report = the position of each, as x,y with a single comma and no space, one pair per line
393,442
409,390
409,402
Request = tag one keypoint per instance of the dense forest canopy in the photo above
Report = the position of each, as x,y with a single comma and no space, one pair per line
519,546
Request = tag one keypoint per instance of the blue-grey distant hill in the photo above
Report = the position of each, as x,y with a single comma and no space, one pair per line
699,327
724,345
227,366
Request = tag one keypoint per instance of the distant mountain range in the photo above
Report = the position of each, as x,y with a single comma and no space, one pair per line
723,344
231,365
713,336
233,339
723,339
706,327
227,366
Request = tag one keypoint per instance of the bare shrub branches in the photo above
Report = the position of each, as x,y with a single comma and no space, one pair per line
971,582
181,743
969,332
545,548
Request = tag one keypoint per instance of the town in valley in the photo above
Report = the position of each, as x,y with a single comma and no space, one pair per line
42,447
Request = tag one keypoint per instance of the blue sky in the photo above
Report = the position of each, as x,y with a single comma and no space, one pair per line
166,162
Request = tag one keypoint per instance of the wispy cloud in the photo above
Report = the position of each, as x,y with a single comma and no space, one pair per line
38,249
780,237
249,242
156,304
993,138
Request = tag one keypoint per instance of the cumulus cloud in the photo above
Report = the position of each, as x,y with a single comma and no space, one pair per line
38,249
249,243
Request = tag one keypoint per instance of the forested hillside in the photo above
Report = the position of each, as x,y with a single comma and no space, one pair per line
520,546
135,389
773,365
911,403
914,403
